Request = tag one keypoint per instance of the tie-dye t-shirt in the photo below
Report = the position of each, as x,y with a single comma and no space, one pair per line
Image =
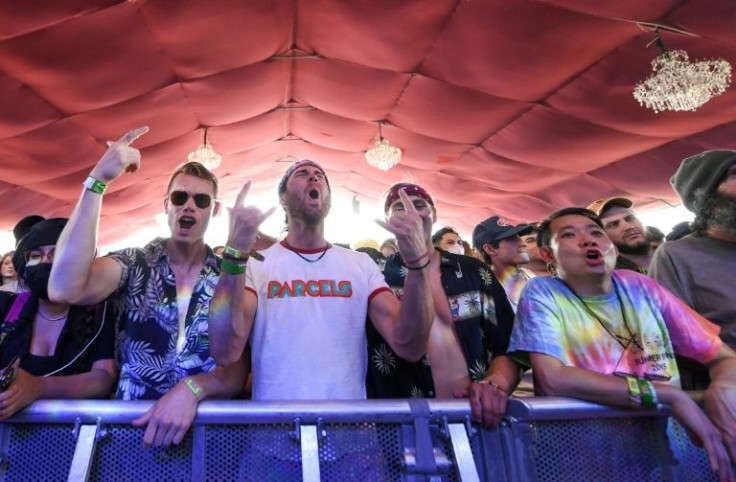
553,321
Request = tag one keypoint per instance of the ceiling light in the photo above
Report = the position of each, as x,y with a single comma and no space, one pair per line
383,155
206,155
681,85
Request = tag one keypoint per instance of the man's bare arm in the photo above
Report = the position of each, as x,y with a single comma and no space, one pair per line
77,277
232,309
405,326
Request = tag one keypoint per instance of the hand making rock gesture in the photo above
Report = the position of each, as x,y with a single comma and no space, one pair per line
245,221
412,230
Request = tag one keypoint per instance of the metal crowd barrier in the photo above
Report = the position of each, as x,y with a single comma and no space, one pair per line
540,439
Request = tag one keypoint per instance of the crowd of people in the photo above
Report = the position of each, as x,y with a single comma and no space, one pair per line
597,306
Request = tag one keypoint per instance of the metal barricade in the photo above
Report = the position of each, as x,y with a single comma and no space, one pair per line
540,439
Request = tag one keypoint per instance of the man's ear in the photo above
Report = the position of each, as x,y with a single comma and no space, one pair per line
488,249
545,252
166,204
218,206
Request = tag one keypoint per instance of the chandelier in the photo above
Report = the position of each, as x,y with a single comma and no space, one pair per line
383,155
205,155
680,85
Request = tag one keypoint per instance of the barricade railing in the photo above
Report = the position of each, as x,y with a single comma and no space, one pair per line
540,439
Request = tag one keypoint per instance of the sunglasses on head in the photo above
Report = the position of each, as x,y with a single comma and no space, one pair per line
178,198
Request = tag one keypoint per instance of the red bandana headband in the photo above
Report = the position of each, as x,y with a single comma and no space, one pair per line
411,189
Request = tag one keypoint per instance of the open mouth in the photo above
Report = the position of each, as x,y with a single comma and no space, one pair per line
186,222
594,255
314,193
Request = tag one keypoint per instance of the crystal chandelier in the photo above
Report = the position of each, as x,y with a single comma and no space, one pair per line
681,85
205,155
383,155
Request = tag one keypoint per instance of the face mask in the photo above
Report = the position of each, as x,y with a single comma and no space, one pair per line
37,279
456,249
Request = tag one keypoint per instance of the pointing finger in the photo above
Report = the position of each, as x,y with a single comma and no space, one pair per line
240,200
133,135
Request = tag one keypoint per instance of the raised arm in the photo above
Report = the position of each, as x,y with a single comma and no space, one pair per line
77,277
232,309
405,326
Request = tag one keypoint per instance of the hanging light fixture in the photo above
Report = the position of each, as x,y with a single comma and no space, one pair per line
383,155
680,85
205,155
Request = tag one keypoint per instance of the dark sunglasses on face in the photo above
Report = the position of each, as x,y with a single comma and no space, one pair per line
178,198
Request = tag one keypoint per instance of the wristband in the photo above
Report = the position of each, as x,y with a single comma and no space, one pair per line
416,259
234,254
232,268
192,385
648,394
419,268
634,391
95,185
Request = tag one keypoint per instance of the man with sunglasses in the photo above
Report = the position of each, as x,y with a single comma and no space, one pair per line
611,336
163,289
304,305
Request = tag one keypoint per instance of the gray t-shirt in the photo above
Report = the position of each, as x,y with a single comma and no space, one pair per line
701,271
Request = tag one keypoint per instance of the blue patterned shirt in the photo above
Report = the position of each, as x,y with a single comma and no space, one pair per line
149,362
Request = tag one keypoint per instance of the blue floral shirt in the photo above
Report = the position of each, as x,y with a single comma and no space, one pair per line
146,350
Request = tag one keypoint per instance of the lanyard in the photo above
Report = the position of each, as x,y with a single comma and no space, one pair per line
619,338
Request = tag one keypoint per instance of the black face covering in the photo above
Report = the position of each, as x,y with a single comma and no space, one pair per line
37,279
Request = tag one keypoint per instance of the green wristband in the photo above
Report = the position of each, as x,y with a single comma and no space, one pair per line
634,391
231,268
95,185
194,387
648,395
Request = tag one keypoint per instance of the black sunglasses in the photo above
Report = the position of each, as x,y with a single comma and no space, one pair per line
178,198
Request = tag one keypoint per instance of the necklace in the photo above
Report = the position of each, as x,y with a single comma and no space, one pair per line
293,250
619,338
51,319
47,318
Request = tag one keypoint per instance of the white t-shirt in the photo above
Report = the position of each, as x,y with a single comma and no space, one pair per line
308,339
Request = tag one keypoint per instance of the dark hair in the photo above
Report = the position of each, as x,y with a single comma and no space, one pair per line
195,169
437,237
544,236
654,234
487,257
